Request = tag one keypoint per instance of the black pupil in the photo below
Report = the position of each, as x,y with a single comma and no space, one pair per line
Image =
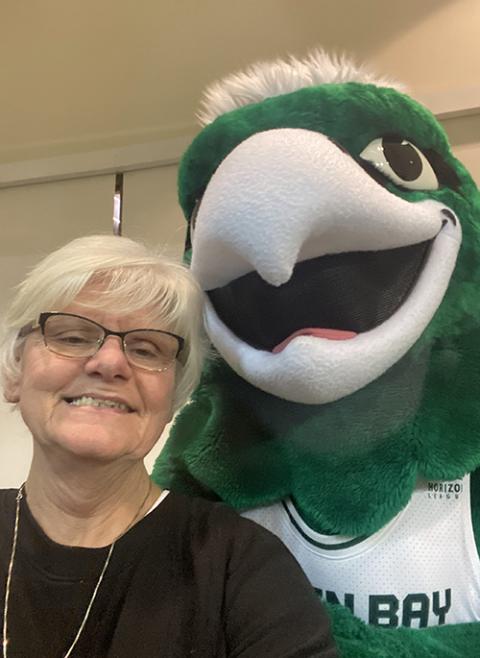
403,159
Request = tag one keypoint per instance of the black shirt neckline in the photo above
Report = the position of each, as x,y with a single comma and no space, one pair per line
77,563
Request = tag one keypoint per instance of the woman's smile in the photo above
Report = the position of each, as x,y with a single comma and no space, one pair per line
93,401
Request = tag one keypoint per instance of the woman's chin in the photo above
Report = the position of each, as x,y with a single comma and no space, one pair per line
93,432
102,445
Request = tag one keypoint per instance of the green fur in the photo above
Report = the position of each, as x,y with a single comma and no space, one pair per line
357,640
350,465
251,448
422,418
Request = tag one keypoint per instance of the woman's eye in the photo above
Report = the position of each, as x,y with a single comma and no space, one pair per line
402,162
73,339
144,350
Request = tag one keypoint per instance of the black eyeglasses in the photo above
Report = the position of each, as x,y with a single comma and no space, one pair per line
77,337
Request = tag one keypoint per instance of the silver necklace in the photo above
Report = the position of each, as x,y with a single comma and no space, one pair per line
97,586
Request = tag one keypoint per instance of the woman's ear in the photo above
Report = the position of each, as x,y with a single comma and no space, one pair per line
11,389
11,392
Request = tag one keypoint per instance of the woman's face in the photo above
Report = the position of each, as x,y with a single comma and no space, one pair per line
48,380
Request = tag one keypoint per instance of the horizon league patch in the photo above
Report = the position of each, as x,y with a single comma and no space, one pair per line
444,490
388,611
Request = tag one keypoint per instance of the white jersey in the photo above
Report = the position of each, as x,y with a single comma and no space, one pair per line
421,569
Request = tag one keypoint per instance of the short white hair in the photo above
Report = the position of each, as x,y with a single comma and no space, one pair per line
133,277
283,76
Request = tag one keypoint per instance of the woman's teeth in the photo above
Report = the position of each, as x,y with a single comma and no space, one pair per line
86,401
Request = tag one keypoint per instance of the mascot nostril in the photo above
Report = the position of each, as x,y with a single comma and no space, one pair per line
449,215
338,245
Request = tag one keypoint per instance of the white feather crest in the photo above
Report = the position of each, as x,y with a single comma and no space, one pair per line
267,79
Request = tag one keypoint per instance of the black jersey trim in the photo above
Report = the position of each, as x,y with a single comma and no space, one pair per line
318,544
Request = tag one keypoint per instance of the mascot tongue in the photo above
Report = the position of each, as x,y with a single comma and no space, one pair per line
329,334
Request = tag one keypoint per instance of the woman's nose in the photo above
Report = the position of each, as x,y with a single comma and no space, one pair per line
110,360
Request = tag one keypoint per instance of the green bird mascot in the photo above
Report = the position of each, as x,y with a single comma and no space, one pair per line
337,240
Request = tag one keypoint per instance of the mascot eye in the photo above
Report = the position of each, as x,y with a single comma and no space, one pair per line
401,162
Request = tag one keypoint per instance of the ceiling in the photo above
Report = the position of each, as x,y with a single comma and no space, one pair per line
80,76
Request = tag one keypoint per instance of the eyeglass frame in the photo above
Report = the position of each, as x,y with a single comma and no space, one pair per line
42,320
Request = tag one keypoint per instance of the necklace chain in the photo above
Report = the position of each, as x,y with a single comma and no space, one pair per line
68,653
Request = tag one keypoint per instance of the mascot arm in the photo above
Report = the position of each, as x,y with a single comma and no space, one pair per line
355,639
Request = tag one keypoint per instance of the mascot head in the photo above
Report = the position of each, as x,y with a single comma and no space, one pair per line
326,218
337,240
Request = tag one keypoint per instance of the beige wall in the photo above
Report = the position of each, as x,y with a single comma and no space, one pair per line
151,210
438,58
464,135
94,75
438,53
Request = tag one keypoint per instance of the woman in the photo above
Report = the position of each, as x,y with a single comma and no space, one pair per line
102,344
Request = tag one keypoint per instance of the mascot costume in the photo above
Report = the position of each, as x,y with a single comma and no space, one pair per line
337,240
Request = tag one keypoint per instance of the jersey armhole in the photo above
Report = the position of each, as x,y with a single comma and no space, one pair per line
475,506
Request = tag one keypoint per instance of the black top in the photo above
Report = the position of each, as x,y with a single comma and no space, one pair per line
191,579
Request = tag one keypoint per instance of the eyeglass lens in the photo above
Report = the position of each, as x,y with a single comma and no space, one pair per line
79,337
